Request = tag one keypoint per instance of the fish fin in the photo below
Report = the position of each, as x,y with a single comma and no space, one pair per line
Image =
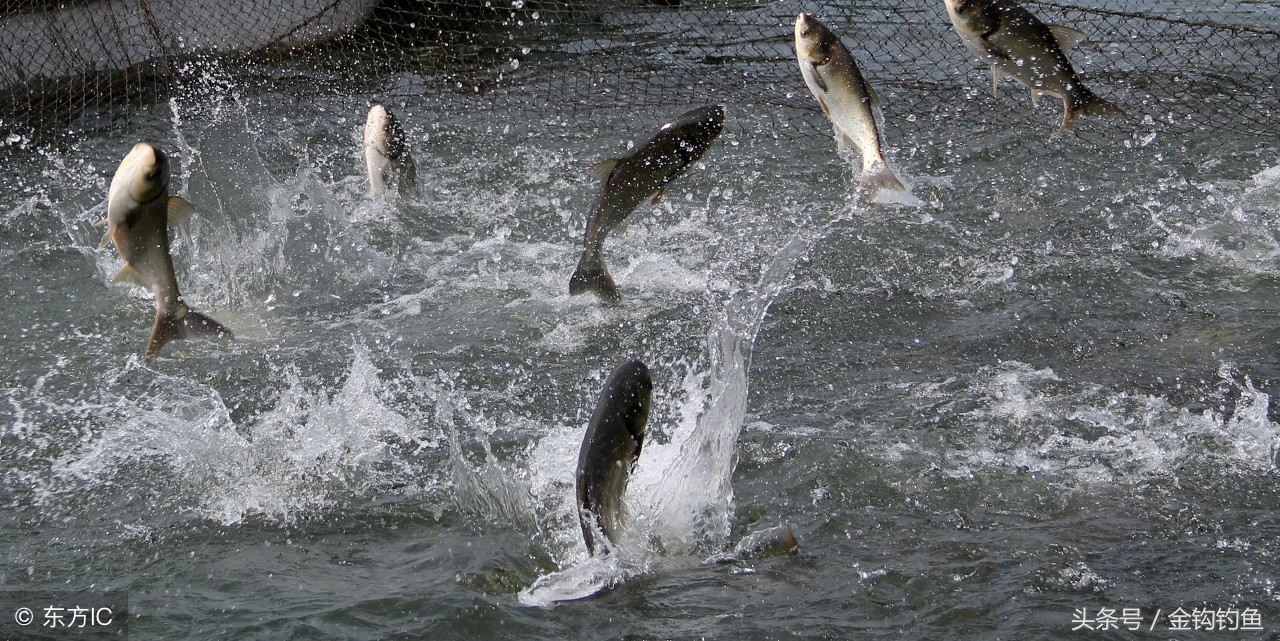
1091,105
843,141
1035,97
871,94
1066,37
621,227
654,199
592,276
106,240
809,71
995,81
1098,106
197,325
605,167
876,176
179,210
102,223
826,111
189,324
129,274
408,180
822,84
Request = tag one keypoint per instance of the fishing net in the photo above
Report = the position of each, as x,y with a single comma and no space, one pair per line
74,66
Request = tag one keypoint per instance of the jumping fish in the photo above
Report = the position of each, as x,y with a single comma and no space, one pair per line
846,98
610,450
641,174
1016,44
386,155
139,211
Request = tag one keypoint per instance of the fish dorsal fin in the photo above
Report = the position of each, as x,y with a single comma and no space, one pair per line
657,195
179,210
129,274
1067,37
604,168
621,227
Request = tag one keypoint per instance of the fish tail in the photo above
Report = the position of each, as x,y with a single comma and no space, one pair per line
1090,104
188,324
876,175
1099,106
592,276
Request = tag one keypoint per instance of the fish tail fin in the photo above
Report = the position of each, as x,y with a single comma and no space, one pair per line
1099,106
876,175
1090,104
592,276
187,324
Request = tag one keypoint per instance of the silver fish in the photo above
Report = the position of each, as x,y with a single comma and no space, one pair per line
610,450
1016,44
139,211
641,174
846,98
386,155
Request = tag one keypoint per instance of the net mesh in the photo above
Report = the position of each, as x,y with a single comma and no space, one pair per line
74,66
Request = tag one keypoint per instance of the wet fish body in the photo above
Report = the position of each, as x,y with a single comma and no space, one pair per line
639,175
139,211
610,450
386,154
1016,44
846,98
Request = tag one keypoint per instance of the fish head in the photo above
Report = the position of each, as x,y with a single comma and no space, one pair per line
973,17
382,132
375,128
694,131
815,43
142,177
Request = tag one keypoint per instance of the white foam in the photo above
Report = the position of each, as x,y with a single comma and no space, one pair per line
299,455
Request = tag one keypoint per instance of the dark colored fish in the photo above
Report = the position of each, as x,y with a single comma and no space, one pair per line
610,450
639,175
1016,44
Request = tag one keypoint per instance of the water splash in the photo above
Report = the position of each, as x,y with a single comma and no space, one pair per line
1014,418
302,454
680,497
488,490
686,484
